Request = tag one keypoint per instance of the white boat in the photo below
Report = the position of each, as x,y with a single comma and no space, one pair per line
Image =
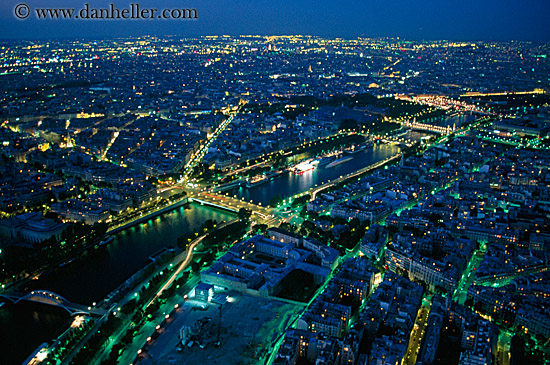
339,161
303,167
257,180
354,149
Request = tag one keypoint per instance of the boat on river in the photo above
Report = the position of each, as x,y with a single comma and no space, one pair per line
339,161
257,180
353,149
106,241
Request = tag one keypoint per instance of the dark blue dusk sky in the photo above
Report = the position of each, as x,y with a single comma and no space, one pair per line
410,19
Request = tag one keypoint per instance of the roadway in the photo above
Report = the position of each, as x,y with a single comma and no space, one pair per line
181,261
159,319
328,184
143,213
426,127
150,326
260,213
503,348
185,259
197,157
246,168
153,209
419,328
467,278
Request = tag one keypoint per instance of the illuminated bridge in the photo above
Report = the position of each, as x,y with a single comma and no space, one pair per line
428,127
51,298
261,213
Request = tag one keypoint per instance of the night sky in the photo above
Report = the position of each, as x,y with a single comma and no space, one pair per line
409,19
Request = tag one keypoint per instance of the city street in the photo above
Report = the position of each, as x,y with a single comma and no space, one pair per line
468,276
503,348
315,172
417,332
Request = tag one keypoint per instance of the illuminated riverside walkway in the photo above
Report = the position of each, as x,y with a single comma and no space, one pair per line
314,191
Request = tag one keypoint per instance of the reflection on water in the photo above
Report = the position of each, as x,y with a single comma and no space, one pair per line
25,326
458,120
94,276
291,184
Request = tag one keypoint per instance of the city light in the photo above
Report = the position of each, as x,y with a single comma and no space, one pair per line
394,183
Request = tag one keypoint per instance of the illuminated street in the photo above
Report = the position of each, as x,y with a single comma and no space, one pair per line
417,332
277,183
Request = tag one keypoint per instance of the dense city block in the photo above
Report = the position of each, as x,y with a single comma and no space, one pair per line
275,200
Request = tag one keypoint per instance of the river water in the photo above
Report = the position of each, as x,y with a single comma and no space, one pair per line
290,184
26,325
458,120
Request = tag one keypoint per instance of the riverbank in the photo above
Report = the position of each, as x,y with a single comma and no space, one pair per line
97,274
148,216
289,184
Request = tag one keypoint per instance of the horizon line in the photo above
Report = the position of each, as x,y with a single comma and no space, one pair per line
399,38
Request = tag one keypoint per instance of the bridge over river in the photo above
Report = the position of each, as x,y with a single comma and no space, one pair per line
51,298
263,214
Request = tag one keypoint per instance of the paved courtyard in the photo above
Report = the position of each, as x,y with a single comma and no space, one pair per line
249,325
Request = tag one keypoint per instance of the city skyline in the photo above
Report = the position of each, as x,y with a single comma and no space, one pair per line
469,20
357,195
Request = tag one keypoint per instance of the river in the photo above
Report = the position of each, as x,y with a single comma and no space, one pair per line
26,325
290,184
90,279
458,120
